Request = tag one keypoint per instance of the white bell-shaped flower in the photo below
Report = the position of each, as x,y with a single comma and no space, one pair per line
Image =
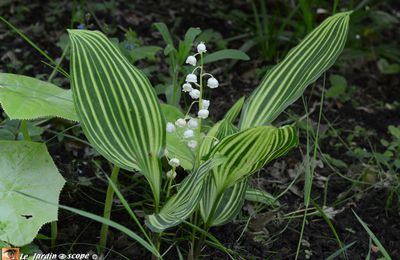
193,123
201,48
170,127
188,133
212,83
180,122
187,87
203,113
171,174
195,93
191,78
191,60
174,162
192,144
205,104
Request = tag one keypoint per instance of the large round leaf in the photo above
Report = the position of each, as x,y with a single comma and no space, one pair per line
26,168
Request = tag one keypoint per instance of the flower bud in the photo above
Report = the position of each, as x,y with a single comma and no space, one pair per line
193,123
187,87
212,83
171,174
192,144
180,122
174,162
201,47
188,133
203,113
195,93
191,60
170,127
191,78
205,104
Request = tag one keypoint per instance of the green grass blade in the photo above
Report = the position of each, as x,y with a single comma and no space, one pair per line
26,38
340,251
373,237
329,222
128,208
102,220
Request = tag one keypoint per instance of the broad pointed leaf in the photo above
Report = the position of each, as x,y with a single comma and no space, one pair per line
24,97
117,106
221,129
246,152
286,82
26,167
249,150
226,54
260,196
227,207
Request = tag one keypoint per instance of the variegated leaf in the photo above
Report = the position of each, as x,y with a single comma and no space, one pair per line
286,82
116,105
181,205
227,207
249,150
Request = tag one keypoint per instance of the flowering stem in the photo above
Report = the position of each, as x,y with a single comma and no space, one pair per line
190,107
200,106
170,184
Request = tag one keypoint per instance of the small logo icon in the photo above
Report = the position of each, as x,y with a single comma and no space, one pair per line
10,254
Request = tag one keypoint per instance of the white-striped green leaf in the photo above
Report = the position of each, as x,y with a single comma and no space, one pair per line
260,196
116,105
181,205
286,82
249,150
227,207
246,152
28,98
234,111
221,129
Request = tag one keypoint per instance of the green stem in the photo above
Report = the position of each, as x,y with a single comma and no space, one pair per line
24,130
156,242
207,226
57,67
107,208
197,164
169,188
54,233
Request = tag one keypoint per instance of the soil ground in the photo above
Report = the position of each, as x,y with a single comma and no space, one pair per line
373,89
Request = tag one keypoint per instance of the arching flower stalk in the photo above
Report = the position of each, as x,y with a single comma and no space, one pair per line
194,87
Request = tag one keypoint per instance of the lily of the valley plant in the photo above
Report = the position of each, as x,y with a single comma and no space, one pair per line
125,122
